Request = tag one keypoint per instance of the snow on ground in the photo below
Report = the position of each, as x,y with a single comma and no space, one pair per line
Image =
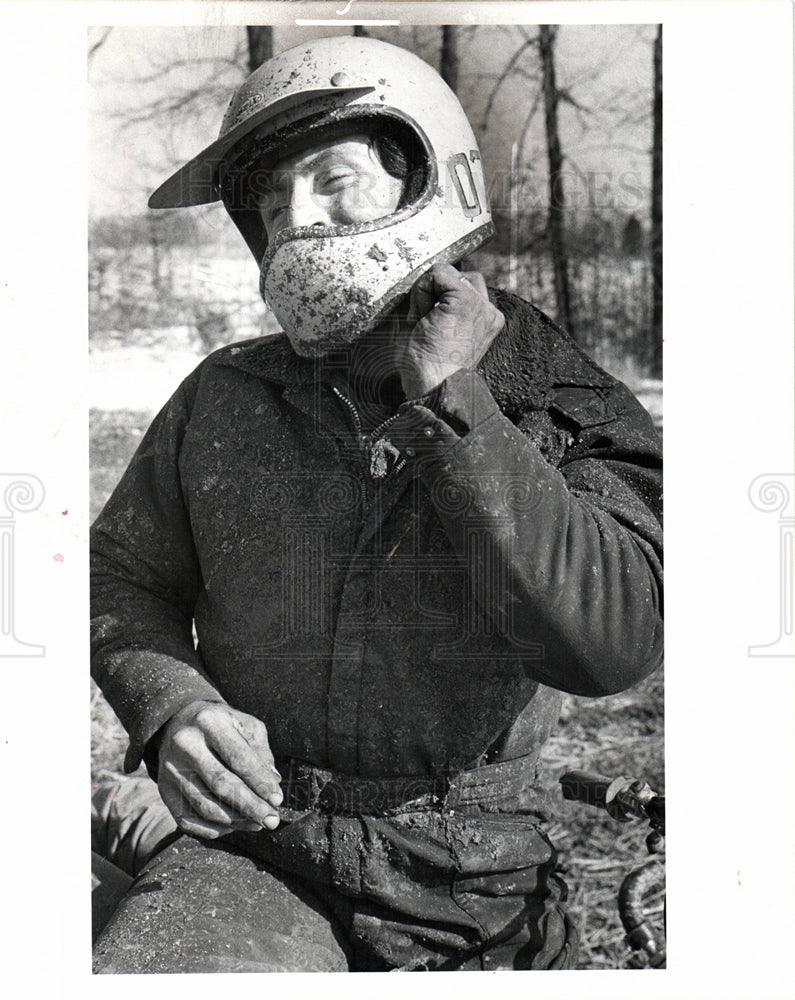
650,393
143,374
137,378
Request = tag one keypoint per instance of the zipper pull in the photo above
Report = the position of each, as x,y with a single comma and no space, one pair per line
378,457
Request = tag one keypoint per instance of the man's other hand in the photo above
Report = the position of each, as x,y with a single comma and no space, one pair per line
216,771
453,324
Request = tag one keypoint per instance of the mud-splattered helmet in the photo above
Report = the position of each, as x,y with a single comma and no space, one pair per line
326,287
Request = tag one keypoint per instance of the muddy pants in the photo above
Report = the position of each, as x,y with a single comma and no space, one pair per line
456,883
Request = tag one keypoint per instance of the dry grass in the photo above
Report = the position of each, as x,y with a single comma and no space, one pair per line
619,735
113,437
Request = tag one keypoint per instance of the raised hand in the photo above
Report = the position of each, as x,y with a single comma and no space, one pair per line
452,322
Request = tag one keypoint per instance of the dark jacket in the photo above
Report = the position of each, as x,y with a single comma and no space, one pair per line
419,622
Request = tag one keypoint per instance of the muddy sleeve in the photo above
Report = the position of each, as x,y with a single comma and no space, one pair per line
566,558
145,579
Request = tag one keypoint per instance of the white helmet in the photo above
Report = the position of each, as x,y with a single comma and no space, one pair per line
326,288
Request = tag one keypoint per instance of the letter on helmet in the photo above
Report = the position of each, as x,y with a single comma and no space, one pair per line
326,288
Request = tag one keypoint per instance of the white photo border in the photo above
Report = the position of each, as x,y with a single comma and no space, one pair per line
728,420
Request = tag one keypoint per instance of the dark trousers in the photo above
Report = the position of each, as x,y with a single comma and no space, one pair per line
454,885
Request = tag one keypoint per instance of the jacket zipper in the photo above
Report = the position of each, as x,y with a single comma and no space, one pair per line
371,440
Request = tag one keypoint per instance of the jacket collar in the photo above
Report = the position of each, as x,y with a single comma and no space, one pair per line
529,360
271,358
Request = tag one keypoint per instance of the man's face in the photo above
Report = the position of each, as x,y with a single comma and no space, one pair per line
339,182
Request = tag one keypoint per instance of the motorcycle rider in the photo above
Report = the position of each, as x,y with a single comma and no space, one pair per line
400,529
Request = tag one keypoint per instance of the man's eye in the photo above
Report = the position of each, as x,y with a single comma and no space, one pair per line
336,180
270,211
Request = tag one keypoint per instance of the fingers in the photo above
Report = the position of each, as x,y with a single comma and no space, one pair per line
196,826
422,297
453,324
209,831
217,771
493,316
246,752
476,282
443,280
255,733
225,763
225,785
205,791
196,811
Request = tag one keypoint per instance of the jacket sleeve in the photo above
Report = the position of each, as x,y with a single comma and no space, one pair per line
566,558
145,579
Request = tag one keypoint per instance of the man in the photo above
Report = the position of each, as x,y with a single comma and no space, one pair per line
400,530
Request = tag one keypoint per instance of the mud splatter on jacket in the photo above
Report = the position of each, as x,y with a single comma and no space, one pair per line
410,624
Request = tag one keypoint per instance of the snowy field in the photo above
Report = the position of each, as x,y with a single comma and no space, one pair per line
153,317
143,374
137,378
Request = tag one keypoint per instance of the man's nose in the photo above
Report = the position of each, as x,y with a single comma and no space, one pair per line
306,209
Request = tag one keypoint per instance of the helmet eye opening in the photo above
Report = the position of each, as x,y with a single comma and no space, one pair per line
396,142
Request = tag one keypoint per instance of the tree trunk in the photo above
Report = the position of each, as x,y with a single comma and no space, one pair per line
449,57
156,243
656,214
260,46
557,194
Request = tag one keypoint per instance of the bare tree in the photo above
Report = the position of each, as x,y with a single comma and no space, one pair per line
449,57
260,45
175,100
513,66
523,79
178,101
656,212
96,41
557,194
184,90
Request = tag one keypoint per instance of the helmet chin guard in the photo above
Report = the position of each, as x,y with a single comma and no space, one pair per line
327,287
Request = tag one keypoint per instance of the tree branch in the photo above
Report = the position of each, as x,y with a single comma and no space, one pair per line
502,78
565,95
97,45
161,72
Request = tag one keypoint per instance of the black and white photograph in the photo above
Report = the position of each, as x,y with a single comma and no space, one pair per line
358,377
381,585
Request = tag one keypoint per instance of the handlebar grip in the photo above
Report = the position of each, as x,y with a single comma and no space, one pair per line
586,787
622,798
